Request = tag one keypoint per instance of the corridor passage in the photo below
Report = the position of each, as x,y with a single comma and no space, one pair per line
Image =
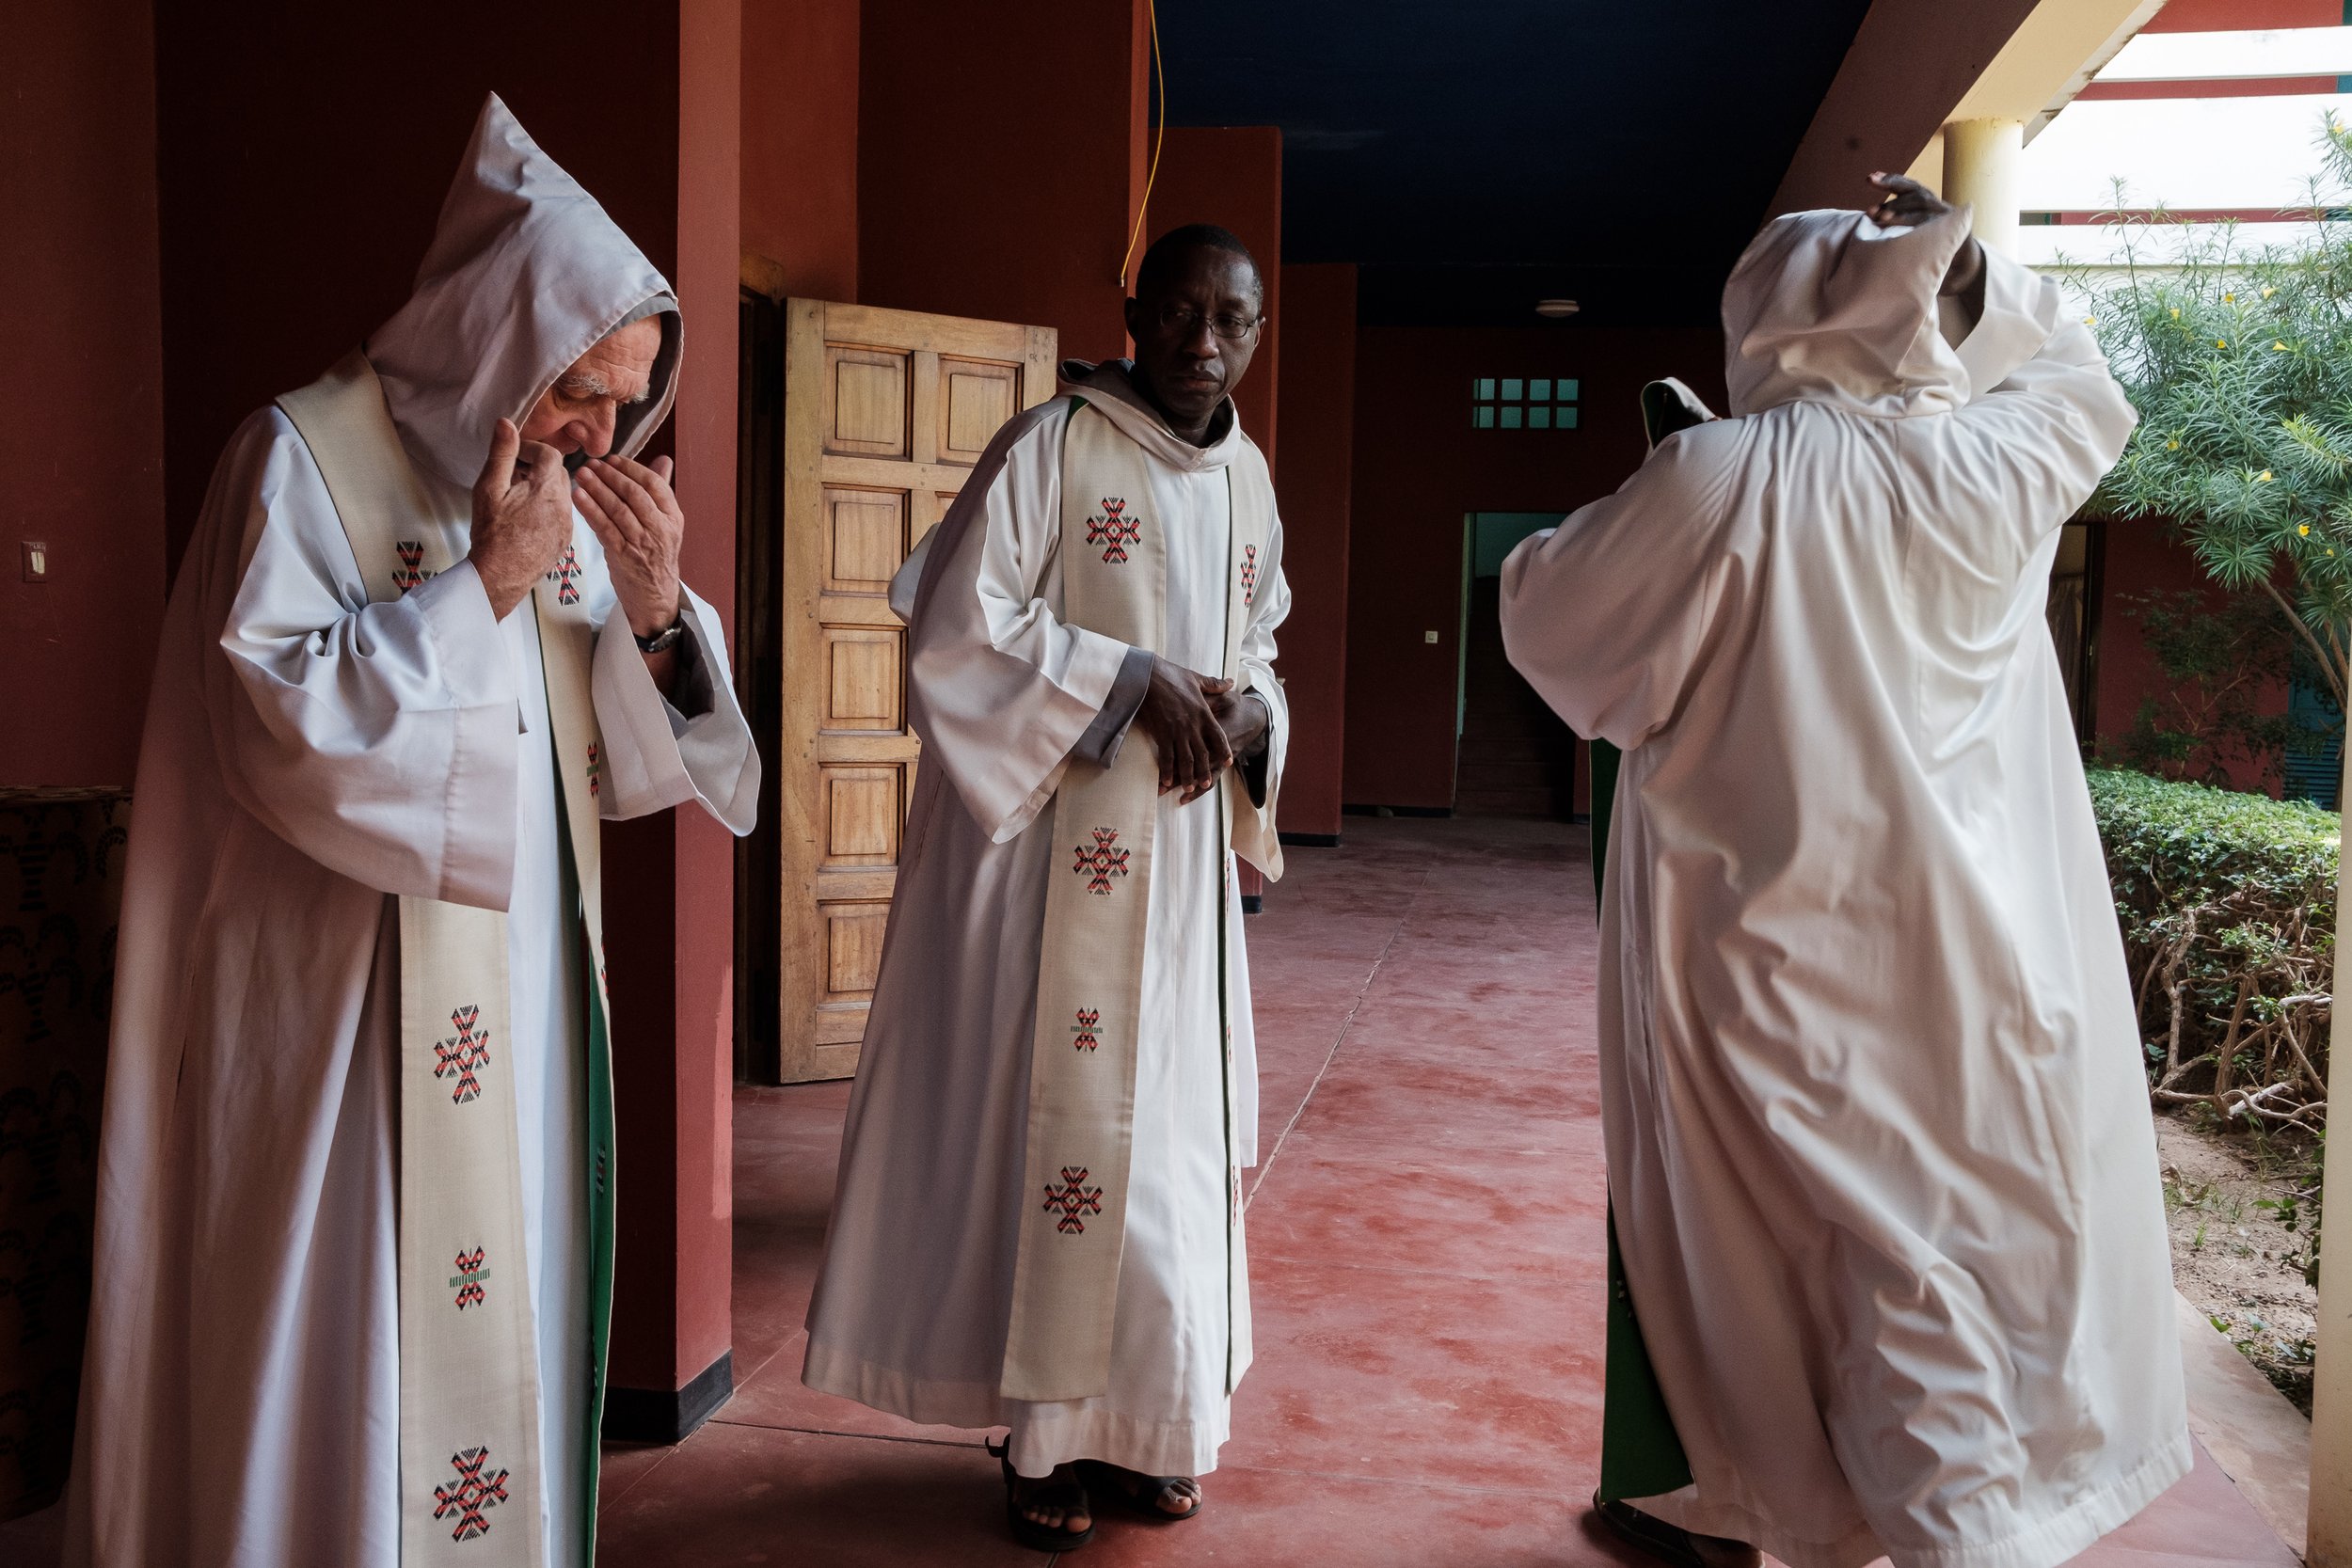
1426,1241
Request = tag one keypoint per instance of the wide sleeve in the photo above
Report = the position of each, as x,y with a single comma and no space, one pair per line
999,688
660,754
1608,615
1261,772
379,740
2045,422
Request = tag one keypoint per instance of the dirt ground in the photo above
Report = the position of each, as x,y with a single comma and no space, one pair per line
2242,1232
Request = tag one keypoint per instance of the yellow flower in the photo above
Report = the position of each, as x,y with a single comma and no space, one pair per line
2277,347
2222,342
2268,290
2176,312
2229,299
2173,445
2262,478
2091,321
2303,529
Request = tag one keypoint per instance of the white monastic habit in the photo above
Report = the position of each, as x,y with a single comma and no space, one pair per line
1878,1143
308,756
913,1308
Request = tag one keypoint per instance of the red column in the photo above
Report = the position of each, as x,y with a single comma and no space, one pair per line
1318,413
669,891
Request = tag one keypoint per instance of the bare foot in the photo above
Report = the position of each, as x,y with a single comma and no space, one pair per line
1056,1502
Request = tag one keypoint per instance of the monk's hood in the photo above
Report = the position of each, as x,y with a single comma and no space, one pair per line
526,273
1107,387
1827,307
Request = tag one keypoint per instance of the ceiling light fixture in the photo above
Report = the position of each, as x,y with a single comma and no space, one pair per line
1557,310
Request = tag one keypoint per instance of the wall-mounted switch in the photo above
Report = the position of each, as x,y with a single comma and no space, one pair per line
1429,637
36,560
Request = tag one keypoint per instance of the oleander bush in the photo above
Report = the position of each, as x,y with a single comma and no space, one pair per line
2228,903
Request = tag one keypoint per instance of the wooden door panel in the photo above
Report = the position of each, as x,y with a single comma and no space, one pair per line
865,539
884,412
976,399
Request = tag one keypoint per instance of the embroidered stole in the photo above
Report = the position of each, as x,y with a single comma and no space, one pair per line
1089,991
471,1475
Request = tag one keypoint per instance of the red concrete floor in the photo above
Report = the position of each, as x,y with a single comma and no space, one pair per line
1425,1239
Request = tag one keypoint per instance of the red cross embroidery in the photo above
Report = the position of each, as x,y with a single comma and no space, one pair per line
1114,530
1249,574
460,1056
468,1278
1084,1029
410,572
1098,863
1073,1198
474,1492
596,769
566,577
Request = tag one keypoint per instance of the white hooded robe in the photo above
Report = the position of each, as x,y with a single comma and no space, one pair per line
1880,1149
307,757
913,1303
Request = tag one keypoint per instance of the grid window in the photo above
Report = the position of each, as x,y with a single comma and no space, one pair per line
1524,402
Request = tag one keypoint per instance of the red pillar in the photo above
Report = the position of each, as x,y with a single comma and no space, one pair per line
1318,413
669,912
800,142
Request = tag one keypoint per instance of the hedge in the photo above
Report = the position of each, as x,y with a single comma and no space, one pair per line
2228,903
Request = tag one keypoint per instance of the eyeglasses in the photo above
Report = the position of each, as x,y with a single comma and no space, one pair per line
1184,321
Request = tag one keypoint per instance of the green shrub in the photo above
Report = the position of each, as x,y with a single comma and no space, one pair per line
2228,903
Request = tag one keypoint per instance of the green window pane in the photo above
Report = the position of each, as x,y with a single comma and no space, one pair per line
1567,419
1511,389
1485,417
1539,417
1511,415
1568,391
1486,387
1539,390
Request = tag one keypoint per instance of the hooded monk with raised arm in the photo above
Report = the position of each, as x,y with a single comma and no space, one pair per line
1880,1157
355,1241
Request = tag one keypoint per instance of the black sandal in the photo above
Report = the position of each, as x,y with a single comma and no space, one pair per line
1029,1532
1671,1543
1140,1493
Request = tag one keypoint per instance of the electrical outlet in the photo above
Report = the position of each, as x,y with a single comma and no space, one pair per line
36,560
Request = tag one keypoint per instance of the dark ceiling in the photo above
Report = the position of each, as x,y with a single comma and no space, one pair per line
1475,155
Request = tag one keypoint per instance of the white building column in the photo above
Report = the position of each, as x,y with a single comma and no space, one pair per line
1980,159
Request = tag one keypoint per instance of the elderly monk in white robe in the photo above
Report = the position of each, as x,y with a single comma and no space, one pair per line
1879,1146
1039,1217
406,668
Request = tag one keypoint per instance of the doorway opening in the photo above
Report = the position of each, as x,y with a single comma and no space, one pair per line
1513,756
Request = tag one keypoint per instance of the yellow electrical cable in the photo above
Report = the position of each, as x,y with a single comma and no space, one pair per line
1159,69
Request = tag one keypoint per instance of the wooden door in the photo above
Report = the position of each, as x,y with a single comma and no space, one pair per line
884,414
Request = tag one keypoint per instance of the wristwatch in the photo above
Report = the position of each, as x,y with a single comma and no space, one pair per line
664,640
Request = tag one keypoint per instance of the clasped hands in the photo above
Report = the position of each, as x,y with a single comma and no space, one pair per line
1199,724
522,518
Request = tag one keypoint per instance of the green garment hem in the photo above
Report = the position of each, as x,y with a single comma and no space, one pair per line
1640,1452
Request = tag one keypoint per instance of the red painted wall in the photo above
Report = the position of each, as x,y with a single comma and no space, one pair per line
2146,555
1318,415
800,93
999,160
1420,466
1232,175
2229,16
83,441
